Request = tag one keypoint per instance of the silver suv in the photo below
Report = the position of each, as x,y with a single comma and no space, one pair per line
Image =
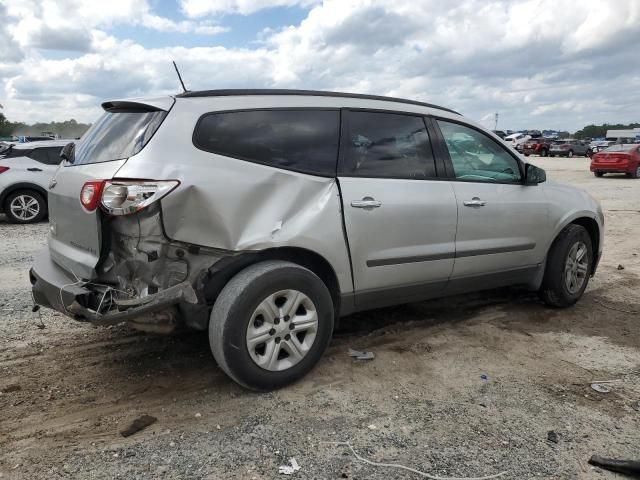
262,216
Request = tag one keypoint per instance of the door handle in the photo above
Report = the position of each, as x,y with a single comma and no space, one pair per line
34,169
474,202
366,202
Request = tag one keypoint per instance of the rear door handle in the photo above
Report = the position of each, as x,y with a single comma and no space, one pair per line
366,202
34,169
474,202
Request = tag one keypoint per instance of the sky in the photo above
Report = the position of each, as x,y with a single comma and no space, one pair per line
558,64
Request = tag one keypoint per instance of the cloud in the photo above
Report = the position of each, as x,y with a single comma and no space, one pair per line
199,8
478,57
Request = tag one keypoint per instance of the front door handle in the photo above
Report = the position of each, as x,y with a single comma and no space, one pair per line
34,169
366,202
474,202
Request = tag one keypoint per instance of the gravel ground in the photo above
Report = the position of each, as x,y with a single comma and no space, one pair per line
466,386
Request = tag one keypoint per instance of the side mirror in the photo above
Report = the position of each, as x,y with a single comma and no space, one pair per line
534,175
67,152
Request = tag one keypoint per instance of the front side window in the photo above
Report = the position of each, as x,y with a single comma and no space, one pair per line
301,140
388,145
476,157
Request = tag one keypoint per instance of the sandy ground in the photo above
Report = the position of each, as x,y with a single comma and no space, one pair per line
69,388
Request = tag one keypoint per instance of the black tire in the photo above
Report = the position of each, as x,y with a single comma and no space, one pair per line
526,154
544,152
29,194
635,173
235,306
570,154
598,174
552,155
554,290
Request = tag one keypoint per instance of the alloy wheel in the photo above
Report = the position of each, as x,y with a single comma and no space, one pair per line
576,267
282,330
25,207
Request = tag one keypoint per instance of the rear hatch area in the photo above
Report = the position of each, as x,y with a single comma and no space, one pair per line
77,240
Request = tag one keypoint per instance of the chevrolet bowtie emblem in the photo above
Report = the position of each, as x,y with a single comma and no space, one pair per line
52,183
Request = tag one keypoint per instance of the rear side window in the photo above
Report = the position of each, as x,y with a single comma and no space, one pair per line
117,135
387,145
16,152
47,155
301,140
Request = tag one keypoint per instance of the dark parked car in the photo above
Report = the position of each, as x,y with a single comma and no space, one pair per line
568,148
537,146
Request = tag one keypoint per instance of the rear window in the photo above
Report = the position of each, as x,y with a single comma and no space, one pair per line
300,140
46,155
16,152
117,135
620,148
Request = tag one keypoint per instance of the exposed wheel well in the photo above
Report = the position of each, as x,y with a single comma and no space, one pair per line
227,268
591,226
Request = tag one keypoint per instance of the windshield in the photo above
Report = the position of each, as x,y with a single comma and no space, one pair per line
117,135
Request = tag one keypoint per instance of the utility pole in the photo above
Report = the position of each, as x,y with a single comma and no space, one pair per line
495,123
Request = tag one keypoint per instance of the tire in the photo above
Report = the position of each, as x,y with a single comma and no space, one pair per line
237,311
555,290
526,154
635,173
570,154
544,152
25,206
598,174
552,155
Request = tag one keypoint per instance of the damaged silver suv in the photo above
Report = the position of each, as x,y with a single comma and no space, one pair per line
262,216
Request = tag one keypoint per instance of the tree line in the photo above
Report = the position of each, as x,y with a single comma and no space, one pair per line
66,129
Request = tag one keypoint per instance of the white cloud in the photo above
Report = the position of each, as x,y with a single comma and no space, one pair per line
511,56
198,8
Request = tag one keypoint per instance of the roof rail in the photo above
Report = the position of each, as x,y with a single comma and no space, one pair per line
314,93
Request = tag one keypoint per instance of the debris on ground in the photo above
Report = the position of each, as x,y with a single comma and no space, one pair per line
409,469
552,436
289,469
138,424
636,406
626,467
14,387
620,267
358,355
601,388
484,376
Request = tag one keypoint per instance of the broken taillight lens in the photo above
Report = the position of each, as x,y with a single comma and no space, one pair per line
90,194
123,197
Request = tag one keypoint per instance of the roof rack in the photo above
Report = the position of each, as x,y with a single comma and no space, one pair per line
314,93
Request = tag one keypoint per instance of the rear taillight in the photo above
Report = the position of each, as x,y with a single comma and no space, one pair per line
3,169
90,194
123,197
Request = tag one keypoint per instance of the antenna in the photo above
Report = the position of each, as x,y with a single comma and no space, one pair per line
179,76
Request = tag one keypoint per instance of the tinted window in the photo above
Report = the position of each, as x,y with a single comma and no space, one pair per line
388,145
17,152
39,155
476,157
48,155
116,135
303,140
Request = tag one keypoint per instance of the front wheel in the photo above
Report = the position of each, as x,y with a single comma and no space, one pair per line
570,154
271,324
636,173
544,152
25,206
568,267
598,174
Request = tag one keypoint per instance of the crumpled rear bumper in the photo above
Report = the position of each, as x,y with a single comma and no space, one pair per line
53,287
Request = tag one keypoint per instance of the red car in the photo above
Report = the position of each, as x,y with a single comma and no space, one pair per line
617,159
537,146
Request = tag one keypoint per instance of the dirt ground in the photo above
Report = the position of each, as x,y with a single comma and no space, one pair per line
466,386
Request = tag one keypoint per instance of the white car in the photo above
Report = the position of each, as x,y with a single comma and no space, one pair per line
516,139
25,172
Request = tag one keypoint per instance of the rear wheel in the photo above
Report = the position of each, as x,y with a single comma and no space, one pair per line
598,174
570,154
636,173
544,152
25,206
552,155
271,324
568,267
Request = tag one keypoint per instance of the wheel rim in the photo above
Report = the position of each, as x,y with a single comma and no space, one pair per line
638,172
24,207
282,330
576,267
570,154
